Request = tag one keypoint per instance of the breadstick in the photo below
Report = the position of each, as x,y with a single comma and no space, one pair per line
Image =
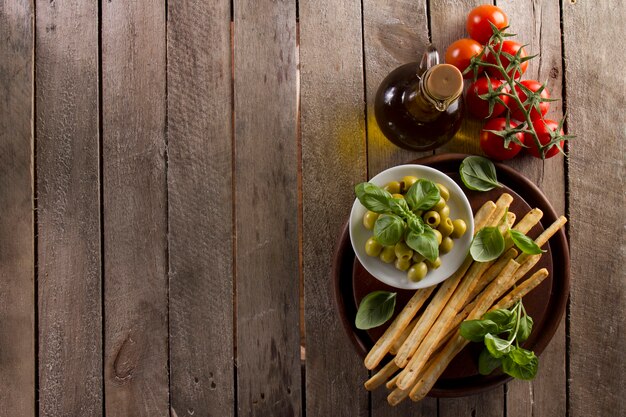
529,221
521,290
381,376
397,396
393,332
492,272
483,214
391,384
551,231
405,333
502,205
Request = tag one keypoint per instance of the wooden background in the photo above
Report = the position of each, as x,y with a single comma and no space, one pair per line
174,174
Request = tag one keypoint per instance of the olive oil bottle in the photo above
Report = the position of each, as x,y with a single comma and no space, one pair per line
419,106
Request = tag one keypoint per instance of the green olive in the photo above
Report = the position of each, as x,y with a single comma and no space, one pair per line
393,187
403,264
444,213
459,228
417,272
440,204
432,218
402,251
369,219
434,264
372,247
418,257
438,235
446,245
397,195
408,181
387,255
443,190
445,227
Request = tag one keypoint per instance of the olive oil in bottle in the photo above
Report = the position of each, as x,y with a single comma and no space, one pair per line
419,106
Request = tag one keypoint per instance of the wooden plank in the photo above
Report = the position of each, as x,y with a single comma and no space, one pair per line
266,208
200,208
395,33
537,24
17,268
595,99
333,160
447,22
135,208
68,184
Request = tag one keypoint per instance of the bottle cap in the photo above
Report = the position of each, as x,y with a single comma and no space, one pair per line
444,82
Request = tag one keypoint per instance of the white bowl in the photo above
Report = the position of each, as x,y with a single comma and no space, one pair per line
450,262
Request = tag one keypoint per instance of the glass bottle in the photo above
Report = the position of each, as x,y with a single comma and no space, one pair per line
419,105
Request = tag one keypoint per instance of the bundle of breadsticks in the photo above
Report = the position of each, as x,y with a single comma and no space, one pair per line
422,345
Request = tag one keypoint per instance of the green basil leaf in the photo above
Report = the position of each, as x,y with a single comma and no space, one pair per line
497,347
487,363
373,197
423,195
487,245
399,206
478,173
375,309
524,243
424,243
521,364
505,320
416,224
475,330
525,328
388,229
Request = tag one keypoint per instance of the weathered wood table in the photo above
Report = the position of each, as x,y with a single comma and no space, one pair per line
174,175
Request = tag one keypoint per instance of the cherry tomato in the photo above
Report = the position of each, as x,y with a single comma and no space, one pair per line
533,86
460,52
510,47
544,128
493,145
478,20
478,107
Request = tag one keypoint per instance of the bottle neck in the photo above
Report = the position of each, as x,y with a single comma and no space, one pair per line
439,101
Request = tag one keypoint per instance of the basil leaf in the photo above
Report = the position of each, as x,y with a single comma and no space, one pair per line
497,347
526,244
525,328
505,320
475,330
373,197
375,309
399,206
478,174
521,364
416,224
423,195
487,245
424,243
487,363
388,229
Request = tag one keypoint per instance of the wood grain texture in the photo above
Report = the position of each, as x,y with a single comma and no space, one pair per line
333,161
596,93
200,208
395,33
68,184
17,268
537,24
266,209
447,22
135,208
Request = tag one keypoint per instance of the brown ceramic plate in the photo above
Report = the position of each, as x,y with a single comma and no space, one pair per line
545,304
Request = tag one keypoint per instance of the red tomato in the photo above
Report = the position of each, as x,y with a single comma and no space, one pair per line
460,52
533,86
478,107
544,129
510,47
478,20
493,145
